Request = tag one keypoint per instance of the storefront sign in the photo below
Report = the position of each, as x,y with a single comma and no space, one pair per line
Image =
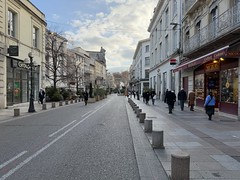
26,66
212,67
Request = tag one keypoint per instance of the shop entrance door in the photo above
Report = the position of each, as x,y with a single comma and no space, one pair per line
212,85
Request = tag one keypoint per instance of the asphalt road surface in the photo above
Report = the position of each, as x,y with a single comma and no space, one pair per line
70,142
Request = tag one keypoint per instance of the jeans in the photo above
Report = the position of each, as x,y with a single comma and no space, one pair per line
182,104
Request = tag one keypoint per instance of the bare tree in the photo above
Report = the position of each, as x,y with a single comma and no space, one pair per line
74,69
122,77
55,58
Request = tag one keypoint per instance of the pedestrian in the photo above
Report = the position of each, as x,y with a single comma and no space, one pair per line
182,97
144,96
170,99
191,100
41,95
147,96
137,93
153,97
165,98
209,105
133,92
85,97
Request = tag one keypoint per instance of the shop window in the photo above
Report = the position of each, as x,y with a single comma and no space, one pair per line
229,87
199,86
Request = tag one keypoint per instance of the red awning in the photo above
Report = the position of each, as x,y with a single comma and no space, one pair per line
203,59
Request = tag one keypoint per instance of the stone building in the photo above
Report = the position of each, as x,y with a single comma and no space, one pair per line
22,28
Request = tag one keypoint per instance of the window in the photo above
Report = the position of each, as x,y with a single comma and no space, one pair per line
174,7
147,74
199,86
213,20
166,18
147,61
160,28
175,40
12,23
166,47
160,52
229,85
35,37
147,48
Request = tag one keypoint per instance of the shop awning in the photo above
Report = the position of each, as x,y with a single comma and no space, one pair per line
203,59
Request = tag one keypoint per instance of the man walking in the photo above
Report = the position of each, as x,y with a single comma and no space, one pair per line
170,100
182,97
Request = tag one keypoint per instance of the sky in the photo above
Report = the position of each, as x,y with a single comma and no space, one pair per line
115,25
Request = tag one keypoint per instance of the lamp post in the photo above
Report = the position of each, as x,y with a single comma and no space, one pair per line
31,102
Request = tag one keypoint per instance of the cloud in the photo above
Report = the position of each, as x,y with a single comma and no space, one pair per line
117,31
55,16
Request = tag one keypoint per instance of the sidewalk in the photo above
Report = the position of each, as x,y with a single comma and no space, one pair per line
8,114
213,146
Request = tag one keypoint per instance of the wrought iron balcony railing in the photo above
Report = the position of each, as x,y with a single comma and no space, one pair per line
226,23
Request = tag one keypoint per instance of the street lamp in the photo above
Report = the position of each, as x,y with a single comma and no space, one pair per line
31,64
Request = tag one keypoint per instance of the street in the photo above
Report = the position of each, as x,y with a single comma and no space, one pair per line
70,142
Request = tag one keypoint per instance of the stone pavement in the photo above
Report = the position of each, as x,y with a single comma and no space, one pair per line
213,146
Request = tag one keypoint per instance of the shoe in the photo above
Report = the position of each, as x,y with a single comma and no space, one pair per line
170,112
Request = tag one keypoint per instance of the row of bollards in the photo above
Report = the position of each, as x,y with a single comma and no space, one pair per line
180,162
16,111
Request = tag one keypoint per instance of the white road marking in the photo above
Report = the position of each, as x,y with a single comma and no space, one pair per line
13,159
86,113
61,129
10,172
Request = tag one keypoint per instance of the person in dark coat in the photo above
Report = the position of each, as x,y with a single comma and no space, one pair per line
170,100
147,97
165,98
85,97
182,97
41,95
137,93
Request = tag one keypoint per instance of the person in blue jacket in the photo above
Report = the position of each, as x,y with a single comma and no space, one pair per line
209,105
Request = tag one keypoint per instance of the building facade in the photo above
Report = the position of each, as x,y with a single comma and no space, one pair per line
21,30
211,51
165,47
139,70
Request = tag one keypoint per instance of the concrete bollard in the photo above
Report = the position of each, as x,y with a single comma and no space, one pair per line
66,102
53,105
44,106
60,103
138,112
135,109
148,125
180,166
142,117
79,100
16,112
157,140
71,101
76,101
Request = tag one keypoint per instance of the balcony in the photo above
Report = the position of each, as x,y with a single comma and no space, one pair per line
224,30
191,5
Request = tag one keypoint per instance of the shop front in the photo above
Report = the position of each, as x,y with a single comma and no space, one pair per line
19,81
216,72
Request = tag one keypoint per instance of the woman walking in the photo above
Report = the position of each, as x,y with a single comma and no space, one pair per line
209,105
